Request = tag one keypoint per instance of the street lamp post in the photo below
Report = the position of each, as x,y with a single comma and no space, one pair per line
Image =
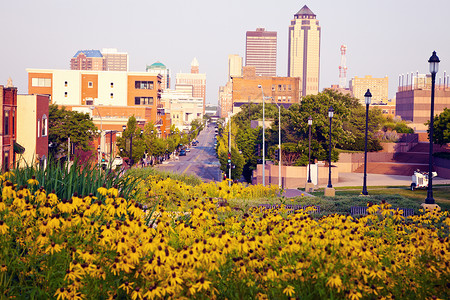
329,191
130,161
309,185
229,149
101,126
263,141
367,98
434,67
279,147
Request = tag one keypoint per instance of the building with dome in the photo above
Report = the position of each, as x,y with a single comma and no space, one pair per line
159,68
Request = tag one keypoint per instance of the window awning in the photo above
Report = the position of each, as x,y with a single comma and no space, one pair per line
19,149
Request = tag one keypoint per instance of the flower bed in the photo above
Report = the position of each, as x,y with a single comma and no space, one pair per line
103,246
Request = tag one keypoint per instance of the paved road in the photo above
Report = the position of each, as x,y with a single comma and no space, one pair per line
200,161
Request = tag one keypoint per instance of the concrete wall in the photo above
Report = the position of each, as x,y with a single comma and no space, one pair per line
293,177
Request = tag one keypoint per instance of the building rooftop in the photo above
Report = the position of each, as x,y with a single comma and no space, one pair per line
157,65
305,11
194,62
89,53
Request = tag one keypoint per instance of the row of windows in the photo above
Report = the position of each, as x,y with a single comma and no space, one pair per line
143,100
90,84
111,95
282,87
143,85
41,82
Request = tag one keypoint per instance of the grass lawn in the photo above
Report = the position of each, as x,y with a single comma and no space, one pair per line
346,197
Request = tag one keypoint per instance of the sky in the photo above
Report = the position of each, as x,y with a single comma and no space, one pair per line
383,37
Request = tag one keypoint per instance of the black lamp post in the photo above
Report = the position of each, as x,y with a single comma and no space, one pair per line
309,149
131,161
330,115
367,98
434,67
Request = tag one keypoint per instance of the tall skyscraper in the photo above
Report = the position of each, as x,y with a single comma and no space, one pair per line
114,60
261,52
304,50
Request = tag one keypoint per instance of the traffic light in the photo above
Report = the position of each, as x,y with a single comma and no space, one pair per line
259,150
229,157
277,154
103,161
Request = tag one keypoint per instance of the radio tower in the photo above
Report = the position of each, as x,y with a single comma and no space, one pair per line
343,68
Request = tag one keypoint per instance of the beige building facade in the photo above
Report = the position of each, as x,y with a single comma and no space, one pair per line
304,50
234,66
379,88
183,107
261,51
115,60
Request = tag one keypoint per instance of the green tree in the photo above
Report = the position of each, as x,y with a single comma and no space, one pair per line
441,125
132,132
64,124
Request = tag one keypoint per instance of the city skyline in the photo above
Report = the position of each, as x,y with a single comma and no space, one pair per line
383,38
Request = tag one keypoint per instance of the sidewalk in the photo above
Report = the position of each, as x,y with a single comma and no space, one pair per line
356,179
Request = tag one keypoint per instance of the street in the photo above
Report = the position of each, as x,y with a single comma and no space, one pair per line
200,161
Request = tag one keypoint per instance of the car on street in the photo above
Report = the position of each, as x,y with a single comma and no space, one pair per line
182,152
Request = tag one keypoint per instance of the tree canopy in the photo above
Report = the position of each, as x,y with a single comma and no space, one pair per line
64,124
441,125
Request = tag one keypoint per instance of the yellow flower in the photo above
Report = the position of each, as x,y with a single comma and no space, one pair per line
335,281
3,227
32,181
289,291
102,190
53,247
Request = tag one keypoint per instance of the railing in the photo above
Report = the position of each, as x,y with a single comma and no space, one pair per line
362,211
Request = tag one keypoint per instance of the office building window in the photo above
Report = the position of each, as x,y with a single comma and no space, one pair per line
143,85
90,84
143,100
65,83
112,95
44,125
112,84
6,123
41,82
65,94
38,128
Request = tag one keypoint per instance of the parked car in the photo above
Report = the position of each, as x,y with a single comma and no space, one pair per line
182,152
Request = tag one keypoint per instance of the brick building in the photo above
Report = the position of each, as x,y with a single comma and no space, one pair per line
88,60
117,95
282,90
8,132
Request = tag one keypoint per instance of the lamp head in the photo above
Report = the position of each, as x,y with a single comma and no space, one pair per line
434,63
310,120
124,127
368,97
330,112
259,86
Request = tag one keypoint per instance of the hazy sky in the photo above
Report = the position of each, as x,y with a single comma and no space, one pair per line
383,37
